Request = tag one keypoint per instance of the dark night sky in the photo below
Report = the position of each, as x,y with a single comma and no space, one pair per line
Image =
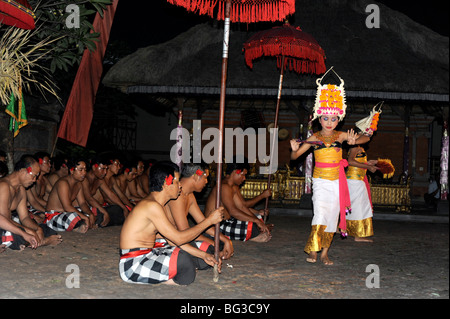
142,23
433,13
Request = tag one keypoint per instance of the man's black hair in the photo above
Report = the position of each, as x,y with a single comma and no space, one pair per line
159,172
25,161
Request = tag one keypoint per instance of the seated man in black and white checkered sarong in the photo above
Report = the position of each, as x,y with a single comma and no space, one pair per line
65,192
97,192
24,231
240,222
57,220
143,258
194,178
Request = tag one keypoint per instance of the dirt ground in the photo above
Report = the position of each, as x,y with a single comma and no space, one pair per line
410,259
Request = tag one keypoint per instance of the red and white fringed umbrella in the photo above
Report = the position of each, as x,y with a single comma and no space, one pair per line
293,49
245,11
300,50
17,13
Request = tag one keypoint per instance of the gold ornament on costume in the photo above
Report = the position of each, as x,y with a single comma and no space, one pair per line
328,140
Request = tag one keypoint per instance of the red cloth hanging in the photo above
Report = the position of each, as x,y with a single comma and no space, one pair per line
77,118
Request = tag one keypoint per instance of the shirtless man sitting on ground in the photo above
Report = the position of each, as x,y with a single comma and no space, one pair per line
194,178
13,197
239,221
66,192
142,260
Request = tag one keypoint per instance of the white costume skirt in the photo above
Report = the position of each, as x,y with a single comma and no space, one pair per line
359,221
326,214
326,203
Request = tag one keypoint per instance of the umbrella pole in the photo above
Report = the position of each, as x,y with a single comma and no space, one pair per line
223,82
266,208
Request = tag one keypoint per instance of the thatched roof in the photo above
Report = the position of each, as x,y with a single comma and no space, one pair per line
401,60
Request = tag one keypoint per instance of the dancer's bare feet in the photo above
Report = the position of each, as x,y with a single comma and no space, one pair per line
324,257
262,238
326,260
2,248
312,257
364,239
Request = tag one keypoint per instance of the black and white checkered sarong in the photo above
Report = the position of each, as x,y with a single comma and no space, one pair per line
61,221
58,221
238,230
10,240
157,265
148,266
6,238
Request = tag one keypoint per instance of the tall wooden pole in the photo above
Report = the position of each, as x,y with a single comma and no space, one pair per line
275,127
223,85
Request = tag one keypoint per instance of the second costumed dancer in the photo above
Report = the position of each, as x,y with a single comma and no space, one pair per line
359,222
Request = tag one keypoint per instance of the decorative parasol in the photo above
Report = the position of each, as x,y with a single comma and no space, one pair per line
293,48
246,11
300,50
17,13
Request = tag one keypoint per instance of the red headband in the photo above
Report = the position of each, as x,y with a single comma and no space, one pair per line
238,171
29,170
127,170
169,180
41,161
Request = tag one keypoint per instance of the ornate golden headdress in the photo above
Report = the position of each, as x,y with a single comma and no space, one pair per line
330,98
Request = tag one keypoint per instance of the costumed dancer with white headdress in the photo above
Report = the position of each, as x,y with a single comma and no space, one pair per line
330,198
359,222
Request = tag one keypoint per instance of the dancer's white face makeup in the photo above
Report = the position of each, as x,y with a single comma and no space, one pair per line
329,123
